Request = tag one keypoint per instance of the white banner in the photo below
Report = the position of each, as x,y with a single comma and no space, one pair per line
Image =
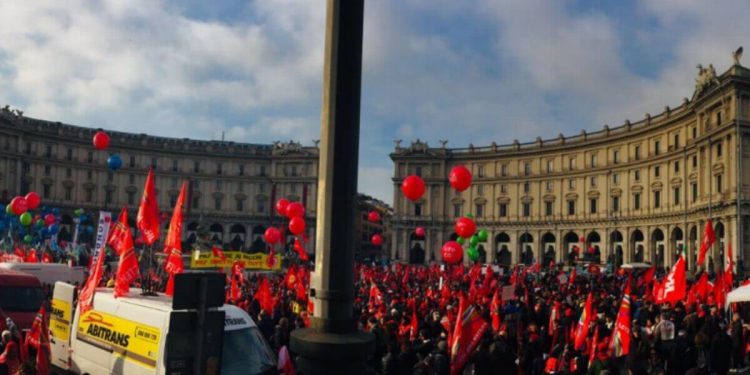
102,231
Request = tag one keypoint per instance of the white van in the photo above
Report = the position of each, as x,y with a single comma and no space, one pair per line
128,335
49,273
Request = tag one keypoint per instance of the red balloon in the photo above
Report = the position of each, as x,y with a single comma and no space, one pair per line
465,227
373,216
420,232
272,235
460,178
281,206
101,140
297,225
19,205
413,187
49,219
377,239
452,252
33,200
295,209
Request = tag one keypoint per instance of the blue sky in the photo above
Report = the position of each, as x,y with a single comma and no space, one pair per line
470,71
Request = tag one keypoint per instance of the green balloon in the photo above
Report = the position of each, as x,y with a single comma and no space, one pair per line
460,240
473,253
25,219
78,212
27,238
469,215
483,235
40,223
9,210
474,241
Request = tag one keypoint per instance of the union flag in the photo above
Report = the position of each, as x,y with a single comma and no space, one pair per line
148,212
620,343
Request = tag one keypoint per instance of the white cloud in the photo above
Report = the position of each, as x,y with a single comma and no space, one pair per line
471,71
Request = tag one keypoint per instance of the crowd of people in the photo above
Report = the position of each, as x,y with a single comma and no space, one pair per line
531,317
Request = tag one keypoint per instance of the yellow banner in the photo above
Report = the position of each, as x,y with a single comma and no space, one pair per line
59,319
256,261
129,339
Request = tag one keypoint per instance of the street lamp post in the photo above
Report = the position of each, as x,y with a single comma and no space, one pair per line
332,344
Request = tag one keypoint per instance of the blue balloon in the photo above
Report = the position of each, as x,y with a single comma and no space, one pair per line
56,211
114,162
53,229
83,217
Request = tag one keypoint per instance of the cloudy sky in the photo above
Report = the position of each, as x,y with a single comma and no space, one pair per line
470,71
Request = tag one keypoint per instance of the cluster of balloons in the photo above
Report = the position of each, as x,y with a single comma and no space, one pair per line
377,238
19,217
295,212
460,179
101,142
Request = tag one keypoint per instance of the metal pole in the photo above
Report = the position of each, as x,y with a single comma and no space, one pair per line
332,344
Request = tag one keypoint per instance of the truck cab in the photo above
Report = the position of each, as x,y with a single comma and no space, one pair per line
21,295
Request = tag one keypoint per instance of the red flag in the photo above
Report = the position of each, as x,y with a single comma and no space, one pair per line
469,330
121,240
413,325
709,237
489,276
376,297
620,343
675,284
265,297
31,258
271,258
594,344
86,297
238,278
584,322
729,268
647,277
701,288
148,212
495,306
217,252
300,250
572,280
290,280
719,290
173,244
553,317
47,258
20,253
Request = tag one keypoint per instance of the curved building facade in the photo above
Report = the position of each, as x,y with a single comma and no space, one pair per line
636,192
232,186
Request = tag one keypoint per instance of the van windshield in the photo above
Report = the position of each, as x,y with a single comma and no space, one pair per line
246,352
21,298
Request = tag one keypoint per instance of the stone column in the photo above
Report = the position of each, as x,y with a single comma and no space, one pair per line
332,344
